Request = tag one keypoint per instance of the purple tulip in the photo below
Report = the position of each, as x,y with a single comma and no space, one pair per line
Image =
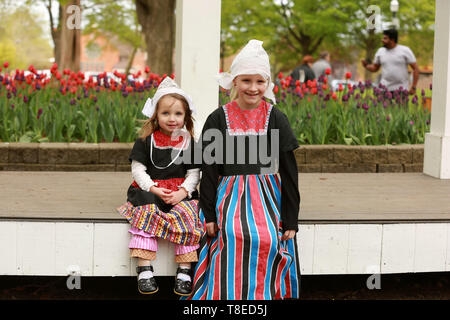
365,106
431,86
411,122
388,118
39,113
12,106
422,92
385,104
8,95
72,101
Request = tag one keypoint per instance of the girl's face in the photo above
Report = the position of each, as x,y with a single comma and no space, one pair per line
250,90
170,115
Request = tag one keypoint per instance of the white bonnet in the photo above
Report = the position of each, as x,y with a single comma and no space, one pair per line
252,59
165,87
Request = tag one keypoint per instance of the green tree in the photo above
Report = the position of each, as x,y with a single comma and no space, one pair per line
22,39
116,18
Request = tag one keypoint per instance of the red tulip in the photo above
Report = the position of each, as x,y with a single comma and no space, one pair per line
325,80
314,90
6,64
280,75
276,89
348,75
327,71
340,87
147,69
334,96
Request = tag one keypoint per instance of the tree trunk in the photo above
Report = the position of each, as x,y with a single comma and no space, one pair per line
130,61
70,38
55,29
157,18
372,41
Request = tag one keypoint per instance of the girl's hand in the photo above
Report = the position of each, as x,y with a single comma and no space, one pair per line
288,234
211,229
176,196
163,193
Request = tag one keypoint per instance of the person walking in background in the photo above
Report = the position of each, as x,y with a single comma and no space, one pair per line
394,59
322,64
303,73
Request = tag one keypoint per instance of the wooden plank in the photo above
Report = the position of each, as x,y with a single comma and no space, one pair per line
430,247
111,253
8,247
349,197
164,264
398,248
74,247
36,248
364,254
330,249
447,259
305,243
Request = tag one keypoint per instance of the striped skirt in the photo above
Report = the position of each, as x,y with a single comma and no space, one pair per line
181,225
247,259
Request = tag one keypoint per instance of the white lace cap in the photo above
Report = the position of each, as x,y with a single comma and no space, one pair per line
252,59
165,87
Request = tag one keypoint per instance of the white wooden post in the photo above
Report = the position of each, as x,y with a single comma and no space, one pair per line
197,54
437,142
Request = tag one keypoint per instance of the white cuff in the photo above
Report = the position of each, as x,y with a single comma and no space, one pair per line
191,181
139,174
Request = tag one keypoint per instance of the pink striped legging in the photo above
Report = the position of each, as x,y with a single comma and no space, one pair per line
146,241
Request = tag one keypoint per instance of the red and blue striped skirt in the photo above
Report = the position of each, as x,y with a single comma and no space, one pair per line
247,260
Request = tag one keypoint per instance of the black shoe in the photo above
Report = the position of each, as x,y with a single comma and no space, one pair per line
183,288
146,286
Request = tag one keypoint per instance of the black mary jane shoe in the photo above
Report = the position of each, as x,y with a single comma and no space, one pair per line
146,286
183,288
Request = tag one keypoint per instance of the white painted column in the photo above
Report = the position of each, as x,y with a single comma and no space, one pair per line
197,54
437,142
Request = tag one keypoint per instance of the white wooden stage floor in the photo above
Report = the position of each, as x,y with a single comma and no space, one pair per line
52,223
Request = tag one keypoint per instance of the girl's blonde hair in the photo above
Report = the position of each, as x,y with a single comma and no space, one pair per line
151,125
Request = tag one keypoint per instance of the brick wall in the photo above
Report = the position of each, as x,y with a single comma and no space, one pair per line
114,157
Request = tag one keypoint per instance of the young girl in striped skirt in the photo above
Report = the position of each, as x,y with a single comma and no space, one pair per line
162,200
250,205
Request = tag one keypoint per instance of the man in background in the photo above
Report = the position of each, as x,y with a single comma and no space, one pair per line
321,65
303,73
394,59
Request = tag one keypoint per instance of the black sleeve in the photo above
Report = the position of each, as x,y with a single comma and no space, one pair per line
290,195
288,140
140,152
210,176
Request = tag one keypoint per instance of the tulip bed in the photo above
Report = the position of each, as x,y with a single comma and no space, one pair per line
73,107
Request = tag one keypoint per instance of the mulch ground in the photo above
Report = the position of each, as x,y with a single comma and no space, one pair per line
412,286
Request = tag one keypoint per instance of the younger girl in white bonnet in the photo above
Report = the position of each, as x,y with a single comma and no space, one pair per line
251,215
162,200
